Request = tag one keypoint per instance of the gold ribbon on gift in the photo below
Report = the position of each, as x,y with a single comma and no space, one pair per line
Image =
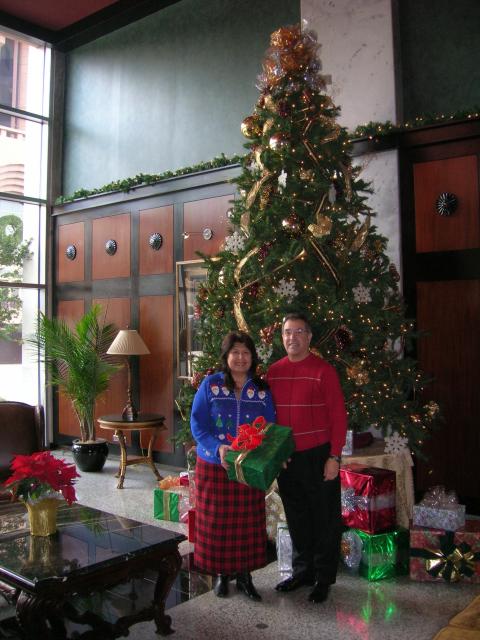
242,456
454,563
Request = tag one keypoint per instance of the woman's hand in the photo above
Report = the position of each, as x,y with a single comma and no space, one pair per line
222,451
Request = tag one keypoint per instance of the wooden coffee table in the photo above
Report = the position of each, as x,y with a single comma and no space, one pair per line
92,552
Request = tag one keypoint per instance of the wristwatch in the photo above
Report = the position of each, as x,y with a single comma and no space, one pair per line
337,458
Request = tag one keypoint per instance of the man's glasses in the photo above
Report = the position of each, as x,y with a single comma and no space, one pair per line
294,332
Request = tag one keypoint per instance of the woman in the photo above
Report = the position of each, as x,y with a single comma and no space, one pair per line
230,530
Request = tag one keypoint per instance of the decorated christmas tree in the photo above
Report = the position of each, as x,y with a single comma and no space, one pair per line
303,239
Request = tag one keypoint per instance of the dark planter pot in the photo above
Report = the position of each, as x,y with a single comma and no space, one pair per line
90,456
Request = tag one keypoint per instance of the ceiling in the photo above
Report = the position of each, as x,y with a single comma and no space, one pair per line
67,24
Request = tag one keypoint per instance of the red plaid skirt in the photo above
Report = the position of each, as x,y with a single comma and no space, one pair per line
230,529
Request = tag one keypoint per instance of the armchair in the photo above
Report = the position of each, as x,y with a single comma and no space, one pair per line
21,431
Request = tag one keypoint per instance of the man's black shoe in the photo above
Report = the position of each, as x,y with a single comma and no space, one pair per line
220,588
319,592
294,582
245,585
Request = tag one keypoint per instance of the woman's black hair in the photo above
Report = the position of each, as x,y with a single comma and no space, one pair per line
228,343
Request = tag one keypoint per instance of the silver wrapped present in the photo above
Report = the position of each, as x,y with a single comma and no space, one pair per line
284,549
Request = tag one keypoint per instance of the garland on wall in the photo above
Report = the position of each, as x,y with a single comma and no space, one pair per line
368,131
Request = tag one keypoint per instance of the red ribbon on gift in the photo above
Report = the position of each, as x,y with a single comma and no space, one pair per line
249,436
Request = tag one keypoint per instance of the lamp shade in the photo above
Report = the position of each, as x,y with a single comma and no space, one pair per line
128,343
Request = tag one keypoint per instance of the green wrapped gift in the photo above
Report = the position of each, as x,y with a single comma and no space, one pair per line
260,466
171,504
376,556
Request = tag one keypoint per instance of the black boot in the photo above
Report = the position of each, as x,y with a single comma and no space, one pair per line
245,584
220,588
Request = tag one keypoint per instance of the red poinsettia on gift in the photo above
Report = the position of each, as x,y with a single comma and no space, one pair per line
42,475
249,436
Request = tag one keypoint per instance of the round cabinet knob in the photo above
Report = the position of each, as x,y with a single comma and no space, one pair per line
155,241
447,203
111,247
71,252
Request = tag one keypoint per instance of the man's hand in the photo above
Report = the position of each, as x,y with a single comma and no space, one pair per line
331,469
222,451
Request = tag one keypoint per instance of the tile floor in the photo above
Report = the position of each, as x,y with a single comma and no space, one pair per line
395,609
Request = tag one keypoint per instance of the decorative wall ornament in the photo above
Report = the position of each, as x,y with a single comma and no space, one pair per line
447,203
111,247
71,252
155,241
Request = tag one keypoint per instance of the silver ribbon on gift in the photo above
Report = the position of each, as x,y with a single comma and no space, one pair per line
352,502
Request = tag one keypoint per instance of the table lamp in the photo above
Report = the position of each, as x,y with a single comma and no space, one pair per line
128,343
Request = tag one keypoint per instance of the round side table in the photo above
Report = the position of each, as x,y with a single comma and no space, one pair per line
152,422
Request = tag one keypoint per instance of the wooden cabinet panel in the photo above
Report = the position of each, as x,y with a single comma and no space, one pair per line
461,230
111,228
70,311
202,214
449,312
160,221
117,311
71,270
156,369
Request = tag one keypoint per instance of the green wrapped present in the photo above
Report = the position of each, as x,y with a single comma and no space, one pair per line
376,556
260,466
171,504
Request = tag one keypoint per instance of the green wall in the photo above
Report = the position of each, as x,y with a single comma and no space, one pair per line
167,91
440,54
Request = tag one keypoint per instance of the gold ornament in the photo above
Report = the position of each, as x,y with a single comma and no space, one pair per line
279,141
305,174
357,373
322,228
361,235
269,103
265,196
432,409
250,127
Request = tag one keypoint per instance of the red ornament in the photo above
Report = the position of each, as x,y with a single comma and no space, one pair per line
267,333
284,109
197,312
254,289
197,379
264,250
343,337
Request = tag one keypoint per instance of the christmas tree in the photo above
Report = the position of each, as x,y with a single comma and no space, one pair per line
302,239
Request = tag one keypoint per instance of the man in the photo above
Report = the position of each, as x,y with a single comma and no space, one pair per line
308,398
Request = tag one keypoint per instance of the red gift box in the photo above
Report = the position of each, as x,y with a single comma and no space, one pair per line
191,525
368,497
450,556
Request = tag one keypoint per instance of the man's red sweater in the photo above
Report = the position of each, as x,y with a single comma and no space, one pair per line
308,398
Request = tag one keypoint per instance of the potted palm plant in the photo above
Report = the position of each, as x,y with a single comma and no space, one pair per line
77,363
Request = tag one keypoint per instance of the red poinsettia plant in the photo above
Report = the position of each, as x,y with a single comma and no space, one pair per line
42,475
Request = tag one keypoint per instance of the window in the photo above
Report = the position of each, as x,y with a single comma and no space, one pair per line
24,104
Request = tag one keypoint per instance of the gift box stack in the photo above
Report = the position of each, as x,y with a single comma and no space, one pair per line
173,498
444,545
373,545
